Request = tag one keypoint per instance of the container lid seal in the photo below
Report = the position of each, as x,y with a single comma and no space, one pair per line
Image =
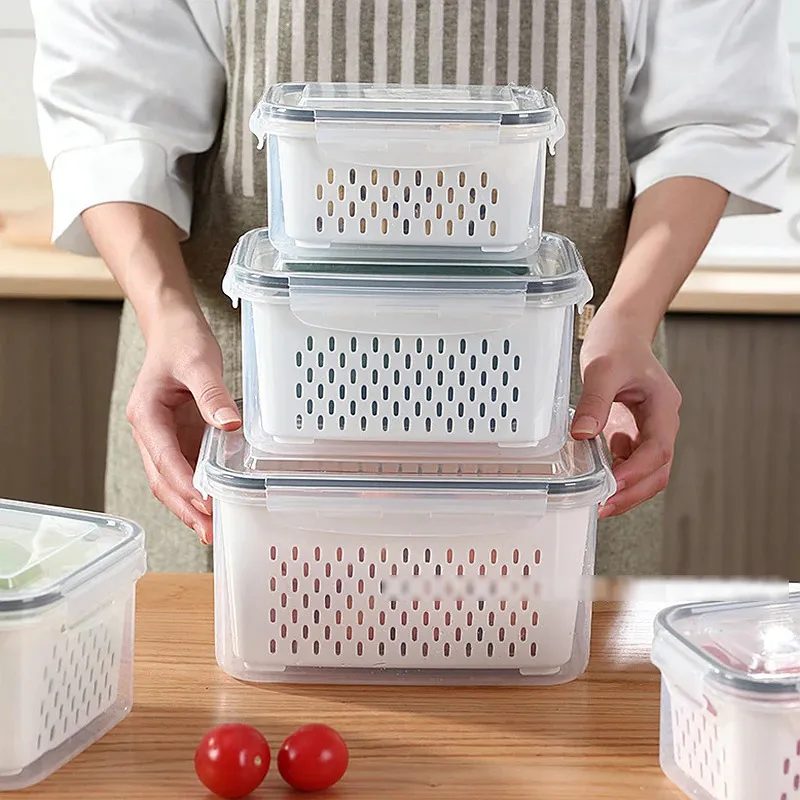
358,102
554,275
581,470
751,646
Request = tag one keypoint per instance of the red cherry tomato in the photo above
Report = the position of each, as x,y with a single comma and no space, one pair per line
724,658
313,758
232,760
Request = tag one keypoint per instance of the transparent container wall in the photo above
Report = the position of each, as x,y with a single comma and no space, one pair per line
362,371
312,590
67,681
38,549
366,569
758,640
67,583
354,166
724,746
730,727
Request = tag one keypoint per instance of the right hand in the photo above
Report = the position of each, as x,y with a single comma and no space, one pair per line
179,390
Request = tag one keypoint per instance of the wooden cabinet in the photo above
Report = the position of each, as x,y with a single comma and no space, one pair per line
734,496
56,370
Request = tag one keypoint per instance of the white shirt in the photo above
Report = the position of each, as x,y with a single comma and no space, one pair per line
127,89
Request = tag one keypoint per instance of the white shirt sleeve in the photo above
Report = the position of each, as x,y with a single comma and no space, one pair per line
710,95
128,92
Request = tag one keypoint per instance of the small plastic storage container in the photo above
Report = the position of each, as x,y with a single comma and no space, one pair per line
406,353
67,584
434,571
446,167
730,698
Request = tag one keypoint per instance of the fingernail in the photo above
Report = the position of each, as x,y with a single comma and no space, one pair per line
226,417
621,485
200,507
584,426
607,510
201,534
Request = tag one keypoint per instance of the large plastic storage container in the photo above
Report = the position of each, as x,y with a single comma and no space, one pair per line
447,167
67,585
401,353
433,571
730,715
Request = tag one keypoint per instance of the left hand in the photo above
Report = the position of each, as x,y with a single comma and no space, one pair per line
629,397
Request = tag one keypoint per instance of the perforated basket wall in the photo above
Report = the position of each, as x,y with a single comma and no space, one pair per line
308,382
485,197
299,592
729,749
59,680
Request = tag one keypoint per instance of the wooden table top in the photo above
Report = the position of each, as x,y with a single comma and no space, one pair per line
596,737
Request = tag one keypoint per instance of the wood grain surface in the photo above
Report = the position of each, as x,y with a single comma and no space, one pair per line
595,738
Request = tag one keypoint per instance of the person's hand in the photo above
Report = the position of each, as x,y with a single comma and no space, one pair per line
179,389
629,396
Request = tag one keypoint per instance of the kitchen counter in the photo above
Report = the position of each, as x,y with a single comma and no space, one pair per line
42,271
752,283
596,737
751,265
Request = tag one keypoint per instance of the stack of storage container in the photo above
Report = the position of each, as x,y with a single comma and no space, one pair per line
404,503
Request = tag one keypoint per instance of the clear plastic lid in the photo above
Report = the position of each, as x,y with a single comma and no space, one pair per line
356,102
554,275
46,552
750,645
228,468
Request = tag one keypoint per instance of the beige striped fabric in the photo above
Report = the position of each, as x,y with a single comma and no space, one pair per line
553,44
575,48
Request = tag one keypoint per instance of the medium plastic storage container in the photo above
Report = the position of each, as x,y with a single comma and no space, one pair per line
434,571
405,353
390,166
730,710
67,585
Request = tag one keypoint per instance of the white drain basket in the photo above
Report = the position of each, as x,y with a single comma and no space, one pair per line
67,583
730,712
409,354
354,165
379,572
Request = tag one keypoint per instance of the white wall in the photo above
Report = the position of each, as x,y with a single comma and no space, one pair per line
791,15
18,130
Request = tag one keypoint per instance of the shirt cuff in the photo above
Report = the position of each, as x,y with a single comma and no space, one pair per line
129,171
754,172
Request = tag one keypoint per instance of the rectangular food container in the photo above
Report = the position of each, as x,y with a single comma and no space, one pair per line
355,165
730,698
405,353
434,571
67,585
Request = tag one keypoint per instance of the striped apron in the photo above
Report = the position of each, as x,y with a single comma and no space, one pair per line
575,48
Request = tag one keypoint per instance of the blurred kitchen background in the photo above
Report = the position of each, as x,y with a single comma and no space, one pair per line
734,336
